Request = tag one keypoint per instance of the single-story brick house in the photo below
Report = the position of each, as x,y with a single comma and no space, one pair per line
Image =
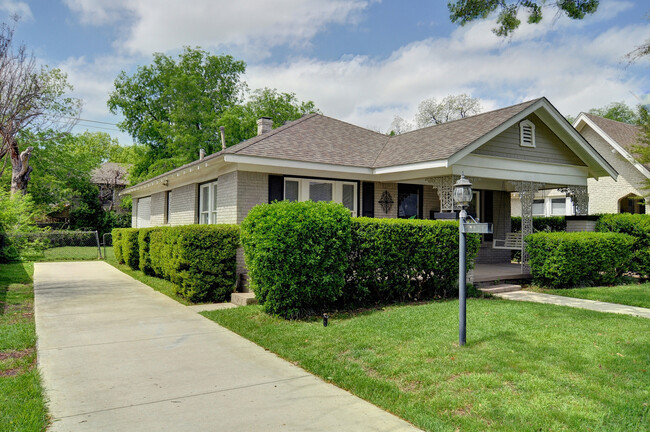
614,141
521,148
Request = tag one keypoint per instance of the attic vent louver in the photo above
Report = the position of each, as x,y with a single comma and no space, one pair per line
527,134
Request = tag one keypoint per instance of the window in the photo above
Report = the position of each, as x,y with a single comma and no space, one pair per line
538,207
408,201
322,190
527,134
558,206
208,203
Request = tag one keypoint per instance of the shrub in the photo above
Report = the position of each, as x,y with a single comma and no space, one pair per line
117,244
199,259
636,225
144,258
160,252
547,224
17,216
130,249
296,254
398,260
563,260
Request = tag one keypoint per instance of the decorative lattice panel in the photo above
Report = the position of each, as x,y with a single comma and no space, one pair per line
580,198
526,192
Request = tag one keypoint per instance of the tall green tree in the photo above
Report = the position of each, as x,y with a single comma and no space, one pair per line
31,97
173,106
618,111
240,121
464,11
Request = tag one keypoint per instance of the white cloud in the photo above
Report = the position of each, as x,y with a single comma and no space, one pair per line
253,25
16,8
93,82
575,73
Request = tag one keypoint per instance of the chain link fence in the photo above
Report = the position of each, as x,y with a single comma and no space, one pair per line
54,245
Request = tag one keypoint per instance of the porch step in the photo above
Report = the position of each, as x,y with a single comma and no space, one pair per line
243,298
493,289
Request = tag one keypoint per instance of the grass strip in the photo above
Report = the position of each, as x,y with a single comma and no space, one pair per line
22,404
630,295
526,366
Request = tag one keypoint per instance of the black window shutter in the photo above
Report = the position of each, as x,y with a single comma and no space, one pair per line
276,188
368,205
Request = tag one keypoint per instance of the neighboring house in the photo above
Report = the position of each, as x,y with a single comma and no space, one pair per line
111,179
626,194
614,140
521,148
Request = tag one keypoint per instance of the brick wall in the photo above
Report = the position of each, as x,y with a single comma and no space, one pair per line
252,189
431,201
227,198
158,209
183,205
605,193
379,190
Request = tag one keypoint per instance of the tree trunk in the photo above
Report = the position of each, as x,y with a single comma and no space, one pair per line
20,168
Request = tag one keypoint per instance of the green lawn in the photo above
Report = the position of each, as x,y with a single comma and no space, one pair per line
526,366
631,295
22,407
67,253
161,285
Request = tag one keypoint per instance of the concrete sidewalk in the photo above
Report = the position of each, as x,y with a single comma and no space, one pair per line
575,302
117,356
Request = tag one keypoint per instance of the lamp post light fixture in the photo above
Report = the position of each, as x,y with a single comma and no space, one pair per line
462,198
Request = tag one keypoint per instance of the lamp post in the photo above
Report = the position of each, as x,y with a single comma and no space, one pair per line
462,198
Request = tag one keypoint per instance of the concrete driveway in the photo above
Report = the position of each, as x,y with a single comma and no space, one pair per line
117,356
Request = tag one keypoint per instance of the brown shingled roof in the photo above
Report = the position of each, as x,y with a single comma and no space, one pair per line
318,138
443,140
626,135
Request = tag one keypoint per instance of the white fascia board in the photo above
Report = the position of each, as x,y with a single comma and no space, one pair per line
501,128
584,120
176,178
516,170
285,163
442,163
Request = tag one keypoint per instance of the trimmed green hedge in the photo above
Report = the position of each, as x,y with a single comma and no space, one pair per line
130,248
144,236
564,260
199,259
117,244
296,254
398,260
306,257
547,224
636,225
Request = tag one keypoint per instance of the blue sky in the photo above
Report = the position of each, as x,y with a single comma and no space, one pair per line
362,61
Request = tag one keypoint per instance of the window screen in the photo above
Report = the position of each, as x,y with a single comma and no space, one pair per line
205,198
558,206
538,207
348,196
320,191
291,190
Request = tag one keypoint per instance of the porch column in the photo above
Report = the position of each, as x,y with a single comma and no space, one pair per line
526,192
580,198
